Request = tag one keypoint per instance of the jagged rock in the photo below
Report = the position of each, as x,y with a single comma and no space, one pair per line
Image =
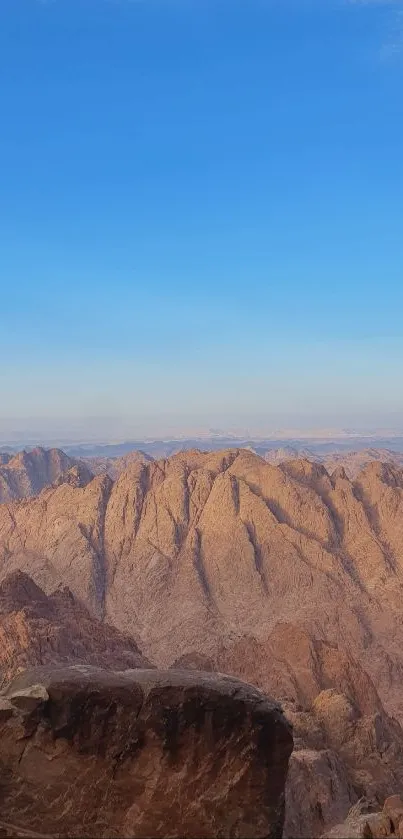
38,629
27,473
281,575
30,698
318,793
143,753
365,826
393,807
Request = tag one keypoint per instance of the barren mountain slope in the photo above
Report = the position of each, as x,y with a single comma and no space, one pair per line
27,473
37,629
192,553
351,461
114,466
281,575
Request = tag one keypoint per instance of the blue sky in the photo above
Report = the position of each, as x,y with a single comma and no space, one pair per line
201,211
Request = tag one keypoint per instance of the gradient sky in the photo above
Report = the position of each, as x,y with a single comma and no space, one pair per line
201,211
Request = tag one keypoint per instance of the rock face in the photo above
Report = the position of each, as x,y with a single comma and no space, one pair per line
38,629
27,473
283,576
363,824
196,552
115,466
349,462
85,752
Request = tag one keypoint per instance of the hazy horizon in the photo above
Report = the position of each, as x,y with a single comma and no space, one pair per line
47,432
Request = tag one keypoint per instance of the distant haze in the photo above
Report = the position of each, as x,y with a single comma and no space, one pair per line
125,435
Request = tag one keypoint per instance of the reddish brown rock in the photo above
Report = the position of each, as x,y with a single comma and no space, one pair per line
393,807
141,753
284,576
37,629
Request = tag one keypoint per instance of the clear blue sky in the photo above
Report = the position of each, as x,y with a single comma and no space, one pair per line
201,210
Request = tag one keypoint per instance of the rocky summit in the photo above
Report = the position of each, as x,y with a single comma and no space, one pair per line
144,753
27,473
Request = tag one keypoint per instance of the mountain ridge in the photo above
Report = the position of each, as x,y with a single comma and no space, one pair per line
281,575
179,520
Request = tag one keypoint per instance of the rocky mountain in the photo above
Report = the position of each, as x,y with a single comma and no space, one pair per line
37,629
351,461
233,546
114,466
27,473
285,576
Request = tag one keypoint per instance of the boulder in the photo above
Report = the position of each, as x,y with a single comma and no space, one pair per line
365,826
393,807
141,753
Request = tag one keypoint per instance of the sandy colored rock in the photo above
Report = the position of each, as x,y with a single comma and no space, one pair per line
30,698
365,826
346,464
27,473
282,575
143,753
232,545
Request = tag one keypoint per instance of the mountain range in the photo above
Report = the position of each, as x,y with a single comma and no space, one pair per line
26,473
282,575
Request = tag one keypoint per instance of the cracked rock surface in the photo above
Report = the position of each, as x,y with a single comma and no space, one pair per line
140,753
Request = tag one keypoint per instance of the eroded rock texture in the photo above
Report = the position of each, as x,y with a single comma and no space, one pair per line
145,753
37,629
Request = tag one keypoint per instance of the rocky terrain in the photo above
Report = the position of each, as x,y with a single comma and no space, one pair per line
362,823
284,576
351,461
199,551
27,473
37,629
114,466
95,753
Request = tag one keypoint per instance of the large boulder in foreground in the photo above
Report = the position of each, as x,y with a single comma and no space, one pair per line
86,752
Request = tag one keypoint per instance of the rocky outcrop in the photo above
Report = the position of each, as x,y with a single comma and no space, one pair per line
348,462
345,744
319,792
200,550
362,823
36,629
284,576
115,466
85,752
27,473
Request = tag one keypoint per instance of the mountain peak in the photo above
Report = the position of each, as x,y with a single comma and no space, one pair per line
18,590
